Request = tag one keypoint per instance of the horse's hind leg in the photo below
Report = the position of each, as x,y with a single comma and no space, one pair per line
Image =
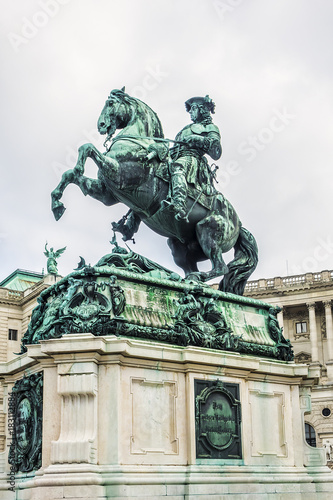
183,256
210,233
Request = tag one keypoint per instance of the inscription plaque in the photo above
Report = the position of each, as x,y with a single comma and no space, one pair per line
217,420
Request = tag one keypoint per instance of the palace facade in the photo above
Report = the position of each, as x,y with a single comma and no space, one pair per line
306,317
18,297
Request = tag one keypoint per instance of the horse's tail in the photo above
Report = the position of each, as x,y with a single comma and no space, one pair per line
243,264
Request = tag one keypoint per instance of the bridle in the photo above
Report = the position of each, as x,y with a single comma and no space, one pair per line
110,135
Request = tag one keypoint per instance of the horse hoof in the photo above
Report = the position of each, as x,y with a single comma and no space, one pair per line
58,210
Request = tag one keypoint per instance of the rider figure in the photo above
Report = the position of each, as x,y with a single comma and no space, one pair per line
188,163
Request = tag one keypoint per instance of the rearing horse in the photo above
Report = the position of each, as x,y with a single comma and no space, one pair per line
130,173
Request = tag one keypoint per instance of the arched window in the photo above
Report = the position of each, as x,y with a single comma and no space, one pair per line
310,435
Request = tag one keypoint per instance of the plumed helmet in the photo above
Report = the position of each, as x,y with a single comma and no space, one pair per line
205,102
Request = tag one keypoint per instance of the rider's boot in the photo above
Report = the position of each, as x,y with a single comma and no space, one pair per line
179,195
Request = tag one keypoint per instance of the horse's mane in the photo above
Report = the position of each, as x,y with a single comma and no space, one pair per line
152,121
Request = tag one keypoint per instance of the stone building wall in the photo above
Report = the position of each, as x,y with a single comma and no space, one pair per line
306,317
15,313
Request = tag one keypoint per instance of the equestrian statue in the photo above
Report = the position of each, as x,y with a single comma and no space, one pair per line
170,189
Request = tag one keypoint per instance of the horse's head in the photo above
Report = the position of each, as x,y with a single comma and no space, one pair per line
122,110
114,114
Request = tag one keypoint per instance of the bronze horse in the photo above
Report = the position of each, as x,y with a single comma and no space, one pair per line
129,173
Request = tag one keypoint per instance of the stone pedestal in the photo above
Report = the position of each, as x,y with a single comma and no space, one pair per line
140,385
121,421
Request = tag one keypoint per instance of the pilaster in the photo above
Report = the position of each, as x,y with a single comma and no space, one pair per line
312,456
77,386
329,337
313,332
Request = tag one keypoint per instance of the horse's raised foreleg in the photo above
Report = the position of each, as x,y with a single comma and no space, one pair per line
96,189
91,187
57,206
90,151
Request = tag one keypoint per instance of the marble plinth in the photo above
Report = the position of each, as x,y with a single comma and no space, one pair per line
119,421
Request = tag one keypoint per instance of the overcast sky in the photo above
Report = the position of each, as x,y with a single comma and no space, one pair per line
266,64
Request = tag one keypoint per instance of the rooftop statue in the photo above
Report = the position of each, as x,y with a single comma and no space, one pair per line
171,190
52,256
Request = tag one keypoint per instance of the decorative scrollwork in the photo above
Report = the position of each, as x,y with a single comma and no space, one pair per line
81,304
204,324
92,300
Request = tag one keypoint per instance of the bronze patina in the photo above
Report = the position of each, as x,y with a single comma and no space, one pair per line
171,190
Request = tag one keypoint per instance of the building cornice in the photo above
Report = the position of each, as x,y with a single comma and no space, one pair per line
18,298
281,286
